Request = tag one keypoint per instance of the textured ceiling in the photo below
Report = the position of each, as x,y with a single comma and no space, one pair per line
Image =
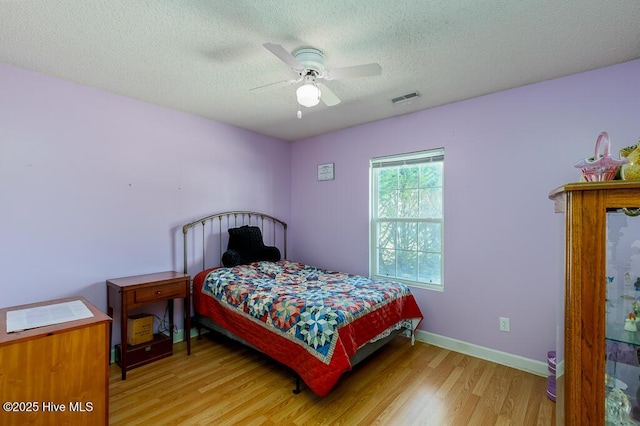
203,56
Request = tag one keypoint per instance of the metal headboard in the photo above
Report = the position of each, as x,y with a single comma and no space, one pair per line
215,226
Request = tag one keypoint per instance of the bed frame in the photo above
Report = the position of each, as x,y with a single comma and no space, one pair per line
207,239
213,236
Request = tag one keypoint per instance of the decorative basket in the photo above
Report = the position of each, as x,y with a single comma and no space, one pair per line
600,167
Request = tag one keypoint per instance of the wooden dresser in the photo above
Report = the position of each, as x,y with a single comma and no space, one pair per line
56,374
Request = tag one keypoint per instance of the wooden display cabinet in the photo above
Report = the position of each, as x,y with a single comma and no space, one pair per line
581,391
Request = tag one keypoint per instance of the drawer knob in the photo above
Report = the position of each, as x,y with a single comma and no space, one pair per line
158,292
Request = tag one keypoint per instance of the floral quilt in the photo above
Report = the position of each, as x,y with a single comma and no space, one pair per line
322,314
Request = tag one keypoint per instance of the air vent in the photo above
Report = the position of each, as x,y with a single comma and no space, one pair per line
408,98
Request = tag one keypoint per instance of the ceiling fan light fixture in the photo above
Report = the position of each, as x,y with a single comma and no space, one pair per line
308,95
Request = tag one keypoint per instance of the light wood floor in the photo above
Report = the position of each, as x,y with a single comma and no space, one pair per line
223,383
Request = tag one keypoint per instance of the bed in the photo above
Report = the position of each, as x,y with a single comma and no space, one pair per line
317,322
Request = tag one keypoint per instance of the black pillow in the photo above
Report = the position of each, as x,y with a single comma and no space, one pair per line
246,246
231,258
270,254
246,240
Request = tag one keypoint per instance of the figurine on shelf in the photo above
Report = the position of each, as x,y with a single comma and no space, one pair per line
630,323
617,408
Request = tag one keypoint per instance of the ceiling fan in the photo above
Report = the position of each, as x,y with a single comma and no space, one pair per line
307,64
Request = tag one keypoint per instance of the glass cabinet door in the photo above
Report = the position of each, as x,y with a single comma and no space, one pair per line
622,313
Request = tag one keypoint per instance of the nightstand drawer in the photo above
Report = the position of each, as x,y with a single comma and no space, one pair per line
167,291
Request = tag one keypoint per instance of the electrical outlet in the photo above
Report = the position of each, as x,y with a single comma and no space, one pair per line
505,325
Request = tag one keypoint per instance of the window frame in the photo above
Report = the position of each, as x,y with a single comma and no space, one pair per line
377,163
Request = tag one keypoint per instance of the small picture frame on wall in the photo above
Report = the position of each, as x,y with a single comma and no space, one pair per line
325,171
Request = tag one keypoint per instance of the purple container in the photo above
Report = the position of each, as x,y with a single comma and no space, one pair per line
551,388
551,361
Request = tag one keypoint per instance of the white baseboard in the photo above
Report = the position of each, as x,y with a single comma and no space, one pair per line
538,368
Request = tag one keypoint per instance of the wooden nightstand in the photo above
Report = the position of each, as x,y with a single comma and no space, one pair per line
124,294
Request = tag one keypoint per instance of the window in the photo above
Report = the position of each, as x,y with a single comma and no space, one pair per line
407,218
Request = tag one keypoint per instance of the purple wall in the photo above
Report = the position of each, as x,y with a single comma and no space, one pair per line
503,154
96,186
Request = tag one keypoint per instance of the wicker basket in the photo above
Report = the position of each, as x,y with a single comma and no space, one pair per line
600,167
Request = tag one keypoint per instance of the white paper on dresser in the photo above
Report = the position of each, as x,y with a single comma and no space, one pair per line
24,319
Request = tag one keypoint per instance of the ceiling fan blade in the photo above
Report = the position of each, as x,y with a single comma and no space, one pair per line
365,70
277,83
284,56
327,96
